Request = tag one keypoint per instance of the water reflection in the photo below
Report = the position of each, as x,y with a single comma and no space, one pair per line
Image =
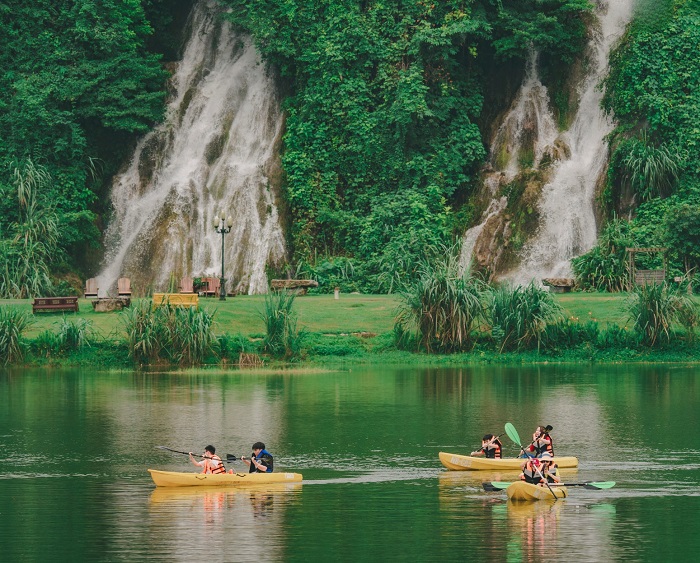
533,533
239,517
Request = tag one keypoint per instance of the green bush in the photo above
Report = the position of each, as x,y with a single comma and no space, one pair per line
13,323
282,339
440,309
518,316
168,334
653,308
604,267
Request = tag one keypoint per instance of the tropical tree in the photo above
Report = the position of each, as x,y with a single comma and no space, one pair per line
30,244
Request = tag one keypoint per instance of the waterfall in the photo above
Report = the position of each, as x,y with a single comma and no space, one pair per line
528,132
217,151
567,207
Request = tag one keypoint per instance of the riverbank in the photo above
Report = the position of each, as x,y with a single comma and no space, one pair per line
354,329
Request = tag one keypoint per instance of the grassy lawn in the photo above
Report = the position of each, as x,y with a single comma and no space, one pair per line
322,313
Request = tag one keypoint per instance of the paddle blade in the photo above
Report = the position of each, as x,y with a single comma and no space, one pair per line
513,433
600,485
231,457
495,485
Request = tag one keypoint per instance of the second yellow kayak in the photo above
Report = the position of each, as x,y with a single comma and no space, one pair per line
522,491
456,462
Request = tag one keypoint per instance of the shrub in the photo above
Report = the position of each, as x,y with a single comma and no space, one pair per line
13,323
652,308
231,346
440,308
74,334
604,267
518,316
167,334
282,339
567,333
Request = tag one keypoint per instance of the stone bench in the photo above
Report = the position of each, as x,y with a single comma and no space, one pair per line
176,299
559,285
298,286
108,304
54,304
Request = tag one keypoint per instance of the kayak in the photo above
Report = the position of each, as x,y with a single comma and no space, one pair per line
456,462
520,490
177,479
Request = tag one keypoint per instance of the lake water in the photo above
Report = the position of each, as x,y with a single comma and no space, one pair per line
76,446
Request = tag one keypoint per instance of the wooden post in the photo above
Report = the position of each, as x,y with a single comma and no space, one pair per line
337,293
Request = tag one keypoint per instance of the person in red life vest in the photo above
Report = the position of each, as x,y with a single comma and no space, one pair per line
550,470
211,463
261,461
491,447
542,441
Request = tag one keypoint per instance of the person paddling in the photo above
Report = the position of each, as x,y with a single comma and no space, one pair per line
491,447
550,470
532,471
542,441
261,461
211,463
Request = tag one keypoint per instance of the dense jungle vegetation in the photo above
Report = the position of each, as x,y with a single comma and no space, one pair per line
388,103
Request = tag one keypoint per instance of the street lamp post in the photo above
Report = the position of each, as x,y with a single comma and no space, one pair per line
222,226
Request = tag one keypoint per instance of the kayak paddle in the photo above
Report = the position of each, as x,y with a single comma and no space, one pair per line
229,457
513,435
594,485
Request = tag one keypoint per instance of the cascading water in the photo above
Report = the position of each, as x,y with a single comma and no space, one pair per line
528,132
567,208
216,152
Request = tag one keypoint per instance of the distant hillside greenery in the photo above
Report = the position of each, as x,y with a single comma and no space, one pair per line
654,174
79,80
383,104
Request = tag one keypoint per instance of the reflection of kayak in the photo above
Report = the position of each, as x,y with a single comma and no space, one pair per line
524,511
520,490
176,479
457,462
175,494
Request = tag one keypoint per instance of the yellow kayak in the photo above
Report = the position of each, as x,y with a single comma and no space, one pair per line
520,490
177,479
456,462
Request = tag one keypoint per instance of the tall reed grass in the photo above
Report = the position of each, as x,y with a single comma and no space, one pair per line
167,334
282,338
653,308
439,311
519,316
13,323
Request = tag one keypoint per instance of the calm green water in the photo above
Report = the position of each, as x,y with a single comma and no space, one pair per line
76,446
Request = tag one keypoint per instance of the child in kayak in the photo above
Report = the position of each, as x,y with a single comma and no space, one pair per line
211,463
542,441
491,447
549,469
261,461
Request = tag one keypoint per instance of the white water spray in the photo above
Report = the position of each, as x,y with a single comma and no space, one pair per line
567,208
215,153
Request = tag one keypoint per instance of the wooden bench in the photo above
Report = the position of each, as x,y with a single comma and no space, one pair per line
299,286
644,277
54,304
176,299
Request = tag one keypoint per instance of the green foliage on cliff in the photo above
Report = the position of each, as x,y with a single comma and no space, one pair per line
654,91
77,83
383,102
